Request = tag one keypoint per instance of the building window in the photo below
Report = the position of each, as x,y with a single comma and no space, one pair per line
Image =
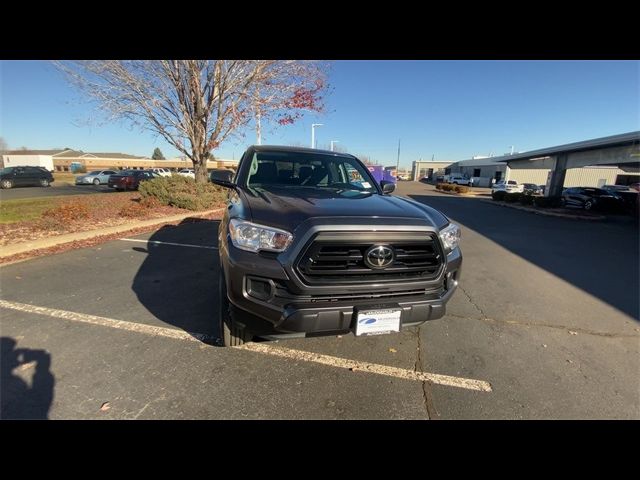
476,172
447,171
66,169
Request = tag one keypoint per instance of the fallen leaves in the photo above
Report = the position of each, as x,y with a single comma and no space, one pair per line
105,406
393,350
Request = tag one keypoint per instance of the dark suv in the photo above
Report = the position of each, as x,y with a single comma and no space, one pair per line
25,176
310,244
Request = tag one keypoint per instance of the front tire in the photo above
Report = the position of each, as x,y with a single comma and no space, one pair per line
96,182
232,333
44,182
588,205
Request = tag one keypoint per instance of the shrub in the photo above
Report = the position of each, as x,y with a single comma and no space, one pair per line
447,187
499,195
438,186
526,200
546,202
461,189
512,197
182,192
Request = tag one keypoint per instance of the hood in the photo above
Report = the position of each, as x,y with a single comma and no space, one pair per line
286,208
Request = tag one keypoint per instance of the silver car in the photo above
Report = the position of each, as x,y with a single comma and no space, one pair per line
97,177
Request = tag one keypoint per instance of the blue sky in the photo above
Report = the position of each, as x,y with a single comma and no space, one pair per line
450,110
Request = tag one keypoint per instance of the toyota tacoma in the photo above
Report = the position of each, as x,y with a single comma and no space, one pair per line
310,244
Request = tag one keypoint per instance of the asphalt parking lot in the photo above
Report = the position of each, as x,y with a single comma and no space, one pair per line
545,325
53,191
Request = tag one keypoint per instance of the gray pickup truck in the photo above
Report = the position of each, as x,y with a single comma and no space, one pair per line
311,244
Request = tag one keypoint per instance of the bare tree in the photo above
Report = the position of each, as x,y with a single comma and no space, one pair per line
196,104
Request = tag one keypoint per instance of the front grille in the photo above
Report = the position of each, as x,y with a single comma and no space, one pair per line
331,261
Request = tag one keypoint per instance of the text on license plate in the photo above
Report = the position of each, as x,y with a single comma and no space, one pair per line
377,322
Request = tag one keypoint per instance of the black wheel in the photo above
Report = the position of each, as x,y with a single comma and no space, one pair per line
6,184
588,205
233,334
44,182
96,182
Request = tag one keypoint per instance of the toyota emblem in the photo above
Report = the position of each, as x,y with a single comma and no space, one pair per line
379,256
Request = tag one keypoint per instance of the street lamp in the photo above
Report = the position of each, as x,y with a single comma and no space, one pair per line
332,142
313,133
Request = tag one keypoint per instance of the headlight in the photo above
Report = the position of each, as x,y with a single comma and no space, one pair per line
450,237
253,238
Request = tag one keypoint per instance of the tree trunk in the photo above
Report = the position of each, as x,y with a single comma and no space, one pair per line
200,169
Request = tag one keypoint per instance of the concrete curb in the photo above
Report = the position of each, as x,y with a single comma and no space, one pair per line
548,214
12,250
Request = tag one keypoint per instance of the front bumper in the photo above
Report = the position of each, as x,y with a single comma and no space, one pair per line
287,312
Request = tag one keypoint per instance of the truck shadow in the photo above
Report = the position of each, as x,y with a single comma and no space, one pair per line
178,284
601,258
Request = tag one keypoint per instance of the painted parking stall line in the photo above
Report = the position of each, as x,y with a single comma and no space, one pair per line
157,242
327,360
107,322
354,365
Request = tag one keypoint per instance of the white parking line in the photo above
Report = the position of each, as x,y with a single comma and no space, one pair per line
107,322
336,362
167,243
355,365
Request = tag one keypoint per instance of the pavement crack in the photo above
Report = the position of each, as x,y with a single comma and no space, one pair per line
427,398
521,323
477,307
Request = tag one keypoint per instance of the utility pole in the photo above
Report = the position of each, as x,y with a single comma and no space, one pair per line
332,142
398,162
313,133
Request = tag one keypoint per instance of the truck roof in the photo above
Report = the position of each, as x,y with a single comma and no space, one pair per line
288,148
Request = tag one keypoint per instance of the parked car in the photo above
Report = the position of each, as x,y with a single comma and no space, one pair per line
616,188
459,180
589,198
532,189
162,172
130,179
326,252
509,186
221,174
25,176
187,172
97,177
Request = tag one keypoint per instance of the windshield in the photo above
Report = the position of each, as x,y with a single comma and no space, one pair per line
302,169
95,172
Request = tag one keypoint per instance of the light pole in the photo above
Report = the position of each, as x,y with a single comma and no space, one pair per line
332,142
313,133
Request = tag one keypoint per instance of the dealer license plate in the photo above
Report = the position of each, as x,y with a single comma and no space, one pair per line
378,322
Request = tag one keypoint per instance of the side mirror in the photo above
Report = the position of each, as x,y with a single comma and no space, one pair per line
223,183
387,187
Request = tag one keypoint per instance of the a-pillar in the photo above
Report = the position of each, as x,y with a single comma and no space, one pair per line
558,173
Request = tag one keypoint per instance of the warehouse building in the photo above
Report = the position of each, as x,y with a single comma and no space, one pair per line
613,160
